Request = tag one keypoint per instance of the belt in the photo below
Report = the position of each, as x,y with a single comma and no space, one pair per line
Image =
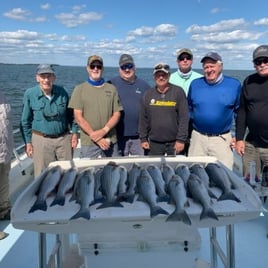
213,135
131,137
163,142
49,136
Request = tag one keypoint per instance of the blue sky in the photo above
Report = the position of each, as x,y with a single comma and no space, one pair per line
67,32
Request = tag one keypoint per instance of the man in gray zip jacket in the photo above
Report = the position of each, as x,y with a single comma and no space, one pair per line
6,148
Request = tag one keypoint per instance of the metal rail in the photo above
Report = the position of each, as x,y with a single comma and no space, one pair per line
228,258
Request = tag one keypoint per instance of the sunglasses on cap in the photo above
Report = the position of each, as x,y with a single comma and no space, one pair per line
126,66
93,66
259,62
162,66
182,57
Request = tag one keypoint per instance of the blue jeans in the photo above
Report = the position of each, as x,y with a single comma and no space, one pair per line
94,151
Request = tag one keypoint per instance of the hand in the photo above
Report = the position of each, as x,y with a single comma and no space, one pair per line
178,147
104,144
240,147
74,141
29,149
232,143
97,135
145,145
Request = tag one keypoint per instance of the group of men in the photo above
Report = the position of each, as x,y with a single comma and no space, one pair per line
183,113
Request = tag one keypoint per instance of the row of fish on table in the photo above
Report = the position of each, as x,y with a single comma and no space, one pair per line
113,184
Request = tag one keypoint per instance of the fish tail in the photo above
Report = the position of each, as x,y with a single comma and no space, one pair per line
229,196
179,216
82,213
39,205
157,210
59,200
110,204
208,213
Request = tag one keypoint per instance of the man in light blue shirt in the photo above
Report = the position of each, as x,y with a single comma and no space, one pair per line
185,74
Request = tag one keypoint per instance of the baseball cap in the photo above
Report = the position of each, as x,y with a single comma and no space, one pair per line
125,58
161,67
184,50
212,55
261,51
45,69
93,58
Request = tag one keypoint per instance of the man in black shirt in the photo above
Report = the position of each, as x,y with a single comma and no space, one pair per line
253,145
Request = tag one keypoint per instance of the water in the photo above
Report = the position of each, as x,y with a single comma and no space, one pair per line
16,78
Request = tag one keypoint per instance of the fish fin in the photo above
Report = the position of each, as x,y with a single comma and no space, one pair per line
110,204
229,196
208,213
157,210
59,200
38,205
82,213
211,194
180,215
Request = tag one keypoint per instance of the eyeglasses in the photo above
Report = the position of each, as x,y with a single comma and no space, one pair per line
187,57
259,62
162,66
93,66
127,66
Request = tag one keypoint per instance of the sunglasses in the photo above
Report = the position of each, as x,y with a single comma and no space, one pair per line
93,66
259,62
127,66
187,57
162,66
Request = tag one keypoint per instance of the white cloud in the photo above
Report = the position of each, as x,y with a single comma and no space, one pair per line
17,14
263,21
72,20
46,6
223,25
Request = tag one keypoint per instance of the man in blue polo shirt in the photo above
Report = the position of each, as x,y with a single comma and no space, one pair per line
130,90
213,103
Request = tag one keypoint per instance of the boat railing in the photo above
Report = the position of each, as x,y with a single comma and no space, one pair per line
18,149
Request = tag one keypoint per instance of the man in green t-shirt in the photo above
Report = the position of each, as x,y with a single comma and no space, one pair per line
97,109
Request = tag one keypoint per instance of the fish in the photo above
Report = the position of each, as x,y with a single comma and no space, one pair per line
84,193
109,184
177,191
65,185
183,171
167,172
98,197
200,195
122,186
220,179
48,185
159,182
133,174
147,193
200,171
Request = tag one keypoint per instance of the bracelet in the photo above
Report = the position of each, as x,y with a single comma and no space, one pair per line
106,129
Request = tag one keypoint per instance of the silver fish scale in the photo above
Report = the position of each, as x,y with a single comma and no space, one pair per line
85,189
109,181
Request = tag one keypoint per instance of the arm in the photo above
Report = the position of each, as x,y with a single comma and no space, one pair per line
241,123
96,135
143,127
26,125
183,118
